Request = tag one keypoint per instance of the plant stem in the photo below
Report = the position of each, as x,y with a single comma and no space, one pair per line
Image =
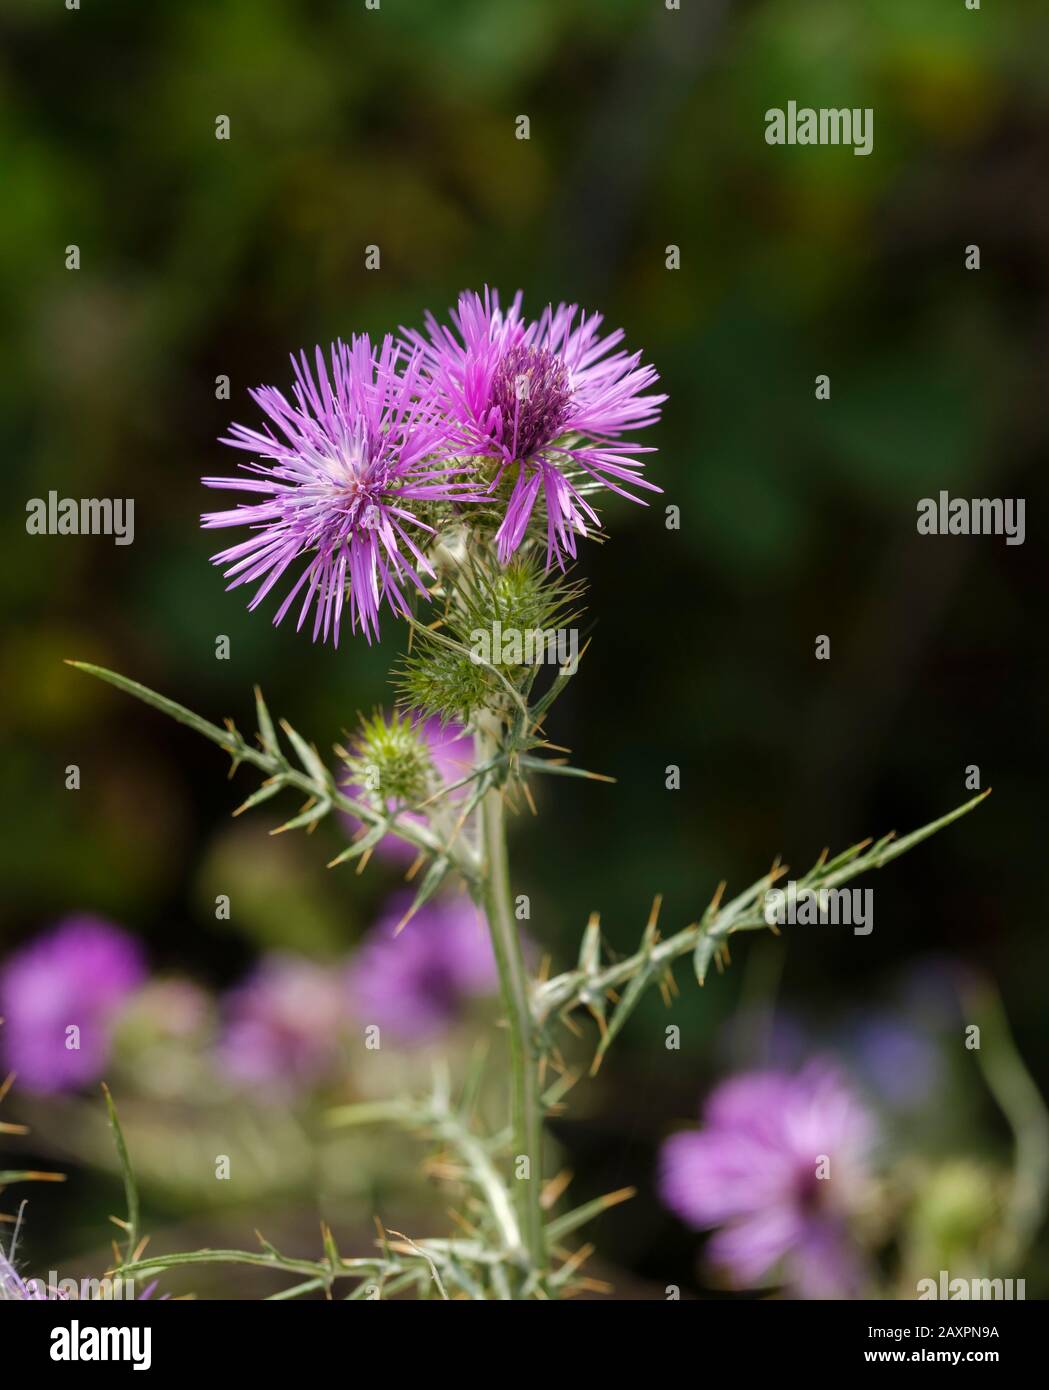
526,1106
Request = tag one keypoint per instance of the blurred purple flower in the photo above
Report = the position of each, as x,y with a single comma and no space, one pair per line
451,750
752,1172
415,983
282,1024
350,459
513,392
79,974
899,1063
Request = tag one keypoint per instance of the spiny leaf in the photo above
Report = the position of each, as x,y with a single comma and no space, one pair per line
432,880
264,793
130,1186
225,740
307,817
558,769
706,945
360,846
622,1012
9,1175
266,730
590,950
307,756
562,1226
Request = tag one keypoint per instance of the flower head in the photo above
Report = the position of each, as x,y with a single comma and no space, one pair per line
778,1167
545,403
388,747
13,1288
415,982
282,1024
348,460
75,977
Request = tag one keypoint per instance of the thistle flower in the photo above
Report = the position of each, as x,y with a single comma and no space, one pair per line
15,1289
403,761
778,1167
74,977
349,456
282,1024
545,403
415,982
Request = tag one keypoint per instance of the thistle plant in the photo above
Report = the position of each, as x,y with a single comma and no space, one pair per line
443,480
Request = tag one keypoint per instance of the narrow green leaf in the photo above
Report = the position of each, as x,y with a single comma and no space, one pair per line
130,1186
266,730
307,817
703,955
307,755
264,793
171,708
9,1175
361,846
531,764
590,950
562,1226
623,1010
432,880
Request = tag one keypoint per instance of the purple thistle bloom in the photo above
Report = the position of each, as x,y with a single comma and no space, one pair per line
752,1172
451,750
414,983
282,1024
15,1289
348,456
547,400
78,975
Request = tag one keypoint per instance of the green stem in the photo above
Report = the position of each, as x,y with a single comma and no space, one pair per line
526,1105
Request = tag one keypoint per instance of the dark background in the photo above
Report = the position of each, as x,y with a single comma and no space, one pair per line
396,128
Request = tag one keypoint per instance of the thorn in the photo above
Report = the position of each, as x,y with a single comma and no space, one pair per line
554,1188
580,1257
715,901
653,916
571,1025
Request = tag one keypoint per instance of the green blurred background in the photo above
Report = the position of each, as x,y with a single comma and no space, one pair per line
395,127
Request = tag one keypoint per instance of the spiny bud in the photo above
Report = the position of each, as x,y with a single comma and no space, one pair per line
390,760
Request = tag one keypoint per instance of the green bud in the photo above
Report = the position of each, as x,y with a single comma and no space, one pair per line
390,759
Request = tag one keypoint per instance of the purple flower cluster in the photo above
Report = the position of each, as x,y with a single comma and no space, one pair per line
282,1024
59,997
371,436
414,983
778,1169
281,1028
541,400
